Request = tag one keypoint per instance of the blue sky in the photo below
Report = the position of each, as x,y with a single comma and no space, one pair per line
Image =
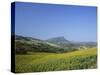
43,21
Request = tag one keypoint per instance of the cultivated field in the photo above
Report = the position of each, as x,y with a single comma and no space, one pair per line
41,61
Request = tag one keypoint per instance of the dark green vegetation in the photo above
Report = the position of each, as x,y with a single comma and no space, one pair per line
54,45
35,55
23,48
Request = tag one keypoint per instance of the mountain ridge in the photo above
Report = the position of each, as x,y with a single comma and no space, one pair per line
55,45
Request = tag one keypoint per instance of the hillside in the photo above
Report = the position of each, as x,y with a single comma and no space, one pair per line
36,55
40,62
26,44
54,45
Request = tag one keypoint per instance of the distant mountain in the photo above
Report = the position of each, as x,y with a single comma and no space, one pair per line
88,44
58,40
61,41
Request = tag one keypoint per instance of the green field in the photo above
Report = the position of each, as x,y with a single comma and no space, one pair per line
41,61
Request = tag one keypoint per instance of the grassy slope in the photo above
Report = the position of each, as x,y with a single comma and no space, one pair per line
38,62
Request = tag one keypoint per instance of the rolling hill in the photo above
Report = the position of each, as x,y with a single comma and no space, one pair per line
36,55
40,62
55,45
25,44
